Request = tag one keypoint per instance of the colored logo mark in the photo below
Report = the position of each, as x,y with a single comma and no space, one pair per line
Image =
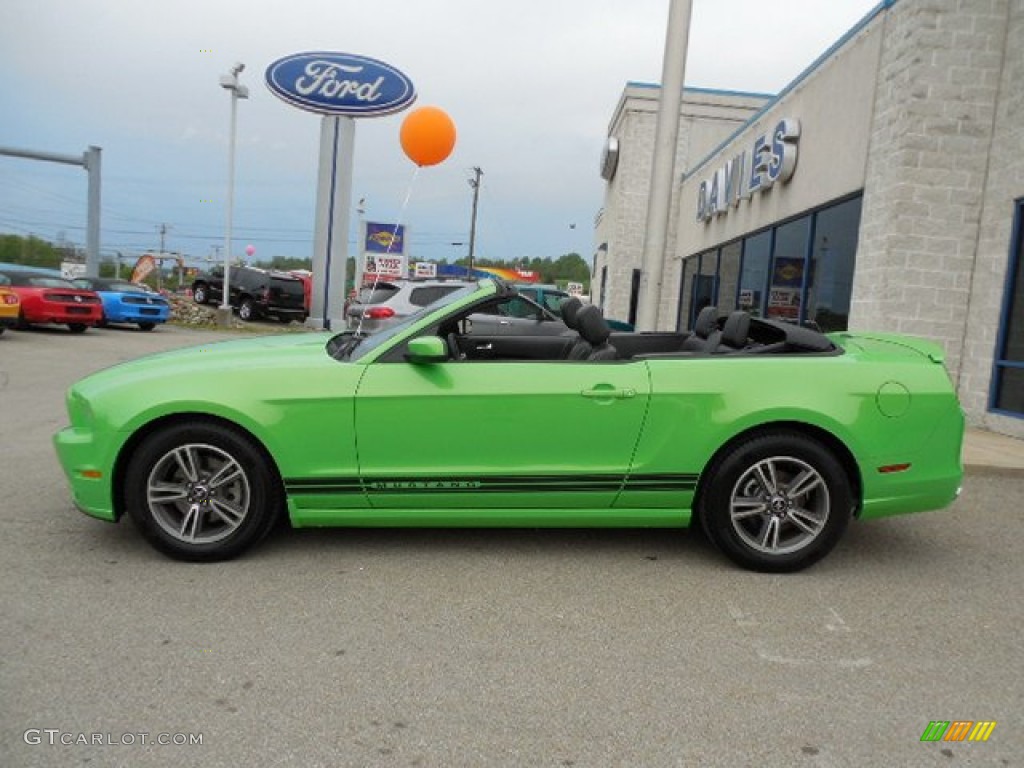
958,730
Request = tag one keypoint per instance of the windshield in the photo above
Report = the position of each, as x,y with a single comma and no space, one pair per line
363,345
128,288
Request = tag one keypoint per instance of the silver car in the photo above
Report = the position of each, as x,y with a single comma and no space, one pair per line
389,302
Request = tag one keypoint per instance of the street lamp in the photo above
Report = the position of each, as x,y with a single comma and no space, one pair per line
230,81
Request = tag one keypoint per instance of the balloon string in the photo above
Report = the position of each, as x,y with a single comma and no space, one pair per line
391,242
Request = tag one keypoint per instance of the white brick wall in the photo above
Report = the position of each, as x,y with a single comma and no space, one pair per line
1005,183
943,169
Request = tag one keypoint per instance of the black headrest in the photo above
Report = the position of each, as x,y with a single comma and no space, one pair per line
570,306
592,325
707,322
736,330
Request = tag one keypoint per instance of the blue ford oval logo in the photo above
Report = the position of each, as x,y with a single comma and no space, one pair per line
340,84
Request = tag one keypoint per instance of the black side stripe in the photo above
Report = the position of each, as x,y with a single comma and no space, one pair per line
490,484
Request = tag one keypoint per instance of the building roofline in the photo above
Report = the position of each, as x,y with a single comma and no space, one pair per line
709,91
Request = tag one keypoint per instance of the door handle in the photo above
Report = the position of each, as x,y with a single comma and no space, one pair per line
608,394
484,346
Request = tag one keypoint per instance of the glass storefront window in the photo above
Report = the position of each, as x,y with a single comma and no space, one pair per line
705,285
799,271
832,262
785,294
728,276
1008,378
757,253
683,310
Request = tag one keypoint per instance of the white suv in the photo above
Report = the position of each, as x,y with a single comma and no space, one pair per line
389,302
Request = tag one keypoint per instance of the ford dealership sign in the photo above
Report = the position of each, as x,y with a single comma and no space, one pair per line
340,84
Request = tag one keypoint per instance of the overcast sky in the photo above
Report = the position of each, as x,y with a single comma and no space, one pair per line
530,84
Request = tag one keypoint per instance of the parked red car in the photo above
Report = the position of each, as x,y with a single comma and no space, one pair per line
46,299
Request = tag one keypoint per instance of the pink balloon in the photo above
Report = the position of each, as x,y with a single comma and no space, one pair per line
250,250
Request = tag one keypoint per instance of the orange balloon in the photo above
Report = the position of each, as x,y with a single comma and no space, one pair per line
428,136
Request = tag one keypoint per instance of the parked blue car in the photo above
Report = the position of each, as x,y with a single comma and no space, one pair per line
125,302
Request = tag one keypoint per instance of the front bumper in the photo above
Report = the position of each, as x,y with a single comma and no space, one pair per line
141,314
90,482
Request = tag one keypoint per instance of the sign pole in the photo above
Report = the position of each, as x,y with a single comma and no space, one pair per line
333,200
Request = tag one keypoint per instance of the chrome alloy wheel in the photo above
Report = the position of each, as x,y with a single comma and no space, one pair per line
779,505
198,493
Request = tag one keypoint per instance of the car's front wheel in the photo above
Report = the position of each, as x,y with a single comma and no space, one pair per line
777,502
147,326
201,492
246,310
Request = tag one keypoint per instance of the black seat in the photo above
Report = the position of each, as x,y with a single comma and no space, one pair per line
595,332
579,349
705,336
735,332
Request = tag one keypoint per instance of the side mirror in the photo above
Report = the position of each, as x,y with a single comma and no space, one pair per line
426,350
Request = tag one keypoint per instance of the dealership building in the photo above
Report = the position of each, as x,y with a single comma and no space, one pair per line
882,190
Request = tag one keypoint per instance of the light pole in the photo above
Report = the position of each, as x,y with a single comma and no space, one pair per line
475,184
230,81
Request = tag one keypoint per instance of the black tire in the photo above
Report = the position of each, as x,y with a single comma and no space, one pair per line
22,324
77,327
2,329
225,518
246,310
777,502
200,295
147,326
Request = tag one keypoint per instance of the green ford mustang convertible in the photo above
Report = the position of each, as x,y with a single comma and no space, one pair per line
771,435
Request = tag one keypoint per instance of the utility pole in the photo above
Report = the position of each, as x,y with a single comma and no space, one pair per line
163,236
475,184
666,134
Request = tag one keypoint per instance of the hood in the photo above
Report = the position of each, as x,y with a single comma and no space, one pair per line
284,351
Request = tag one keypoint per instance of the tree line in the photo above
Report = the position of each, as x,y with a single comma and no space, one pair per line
36,252
569,268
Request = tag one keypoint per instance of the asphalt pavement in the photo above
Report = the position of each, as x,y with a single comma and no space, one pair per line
485,647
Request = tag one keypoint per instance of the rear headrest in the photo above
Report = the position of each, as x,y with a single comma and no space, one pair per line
570,306
736,330
707,322
592,325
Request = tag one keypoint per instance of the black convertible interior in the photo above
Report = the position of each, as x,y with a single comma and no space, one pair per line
590,339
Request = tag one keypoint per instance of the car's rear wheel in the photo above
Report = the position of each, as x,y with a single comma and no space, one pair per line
147,326
201,492
777,502
246,310
199,294
77,327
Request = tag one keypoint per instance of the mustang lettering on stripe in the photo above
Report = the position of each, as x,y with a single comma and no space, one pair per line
491,484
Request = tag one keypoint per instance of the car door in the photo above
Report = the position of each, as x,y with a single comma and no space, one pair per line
215,284
498,435
516,317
